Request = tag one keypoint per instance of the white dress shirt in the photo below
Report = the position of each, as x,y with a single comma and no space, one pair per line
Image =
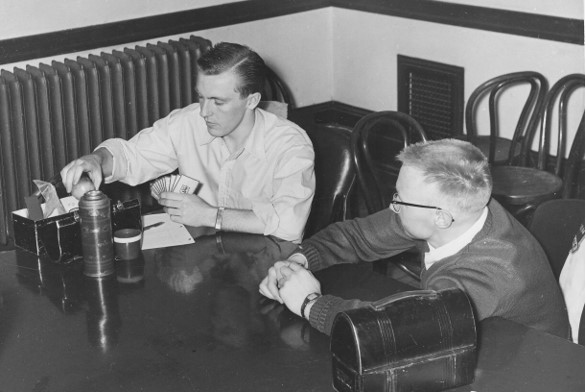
572,283
273,175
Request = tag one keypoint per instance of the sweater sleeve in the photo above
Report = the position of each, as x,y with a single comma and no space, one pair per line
374,237
325,309
479,284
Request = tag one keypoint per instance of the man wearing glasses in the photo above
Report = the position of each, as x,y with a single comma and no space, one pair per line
443,207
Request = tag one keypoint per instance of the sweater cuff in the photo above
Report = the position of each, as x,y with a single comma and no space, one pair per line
312,256
321,316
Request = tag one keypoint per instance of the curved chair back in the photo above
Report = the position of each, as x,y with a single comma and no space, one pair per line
377,139
555,224
574,170
334,175
500,150
275,97
559,95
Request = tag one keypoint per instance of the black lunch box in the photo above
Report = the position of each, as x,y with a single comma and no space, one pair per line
421,340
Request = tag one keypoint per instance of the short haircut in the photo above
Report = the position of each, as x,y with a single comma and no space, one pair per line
244,62
457,167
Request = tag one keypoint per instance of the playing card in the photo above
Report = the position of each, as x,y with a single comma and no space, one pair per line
167,183
186,185
174,183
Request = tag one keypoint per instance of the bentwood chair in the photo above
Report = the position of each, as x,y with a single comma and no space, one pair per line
574,169
335,176
376,140
555,224
522,188
275,96
498,149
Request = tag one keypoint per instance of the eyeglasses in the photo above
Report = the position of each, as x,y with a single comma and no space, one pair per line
396,206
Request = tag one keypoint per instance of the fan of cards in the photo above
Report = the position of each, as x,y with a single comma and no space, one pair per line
174,183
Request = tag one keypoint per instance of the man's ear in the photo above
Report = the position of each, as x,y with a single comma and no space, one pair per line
443,219
252,100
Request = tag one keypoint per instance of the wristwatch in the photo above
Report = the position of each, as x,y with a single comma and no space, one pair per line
310,298
219,217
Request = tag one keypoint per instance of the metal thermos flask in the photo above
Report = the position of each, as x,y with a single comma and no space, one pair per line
95,216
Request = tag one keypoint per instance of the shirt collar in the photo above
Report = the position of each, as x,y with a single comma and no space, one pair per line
255,144
256,139
454,246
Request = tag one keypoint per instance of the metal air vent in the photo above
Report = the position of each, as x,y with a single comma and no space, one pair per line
433,94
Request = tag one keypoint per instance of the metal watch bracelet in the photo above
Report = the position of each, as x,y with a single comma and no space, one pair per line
219,217
310,298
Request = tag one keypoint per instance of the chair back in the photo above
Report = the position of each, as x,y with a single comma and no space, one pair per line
559,95
275,97
574,170
554,224
499,150
557,101
334,175
275,89
377,139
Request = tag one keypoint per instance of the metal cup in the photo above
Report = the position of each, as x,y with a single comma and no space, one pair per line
127,243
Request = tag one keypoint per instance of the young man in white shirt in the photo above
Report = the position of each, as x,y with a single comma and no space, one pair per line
256,169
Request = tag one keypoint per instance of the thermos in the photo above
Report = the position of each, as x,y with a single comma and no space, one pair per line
96,234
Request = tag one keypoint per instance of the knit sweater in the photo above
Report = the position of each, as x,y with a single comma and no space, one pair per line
503,269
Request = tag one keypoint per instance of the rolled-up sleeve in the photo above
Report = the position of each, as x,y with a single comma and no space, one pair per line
147,155
293,186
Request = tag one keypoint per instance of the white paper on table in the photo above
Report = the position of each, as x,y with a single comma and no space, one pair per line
168,234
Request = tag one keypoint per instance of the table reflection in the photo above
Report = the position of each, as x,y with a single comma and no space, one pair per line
102,315
226,269
217,277
191,318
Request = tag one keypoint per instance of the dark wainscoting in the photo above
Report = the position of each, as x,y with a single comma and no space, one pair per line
480,18
331,112
117,33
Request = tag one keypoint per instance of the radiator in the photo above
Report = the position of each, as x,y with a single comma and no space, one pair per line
52,114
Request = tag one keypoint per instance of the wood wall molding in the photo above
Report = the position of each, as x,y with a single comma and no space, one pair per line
481,18
117,33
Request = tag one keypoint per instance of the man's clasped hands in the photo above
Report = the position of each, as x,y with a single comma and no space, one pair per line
290,282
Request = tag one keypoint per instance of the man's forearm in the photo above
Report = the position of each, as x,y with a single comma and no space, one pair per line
238,220
106,161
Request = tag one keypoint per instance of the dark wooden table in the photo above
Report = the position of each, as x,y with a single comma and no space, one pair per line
190,318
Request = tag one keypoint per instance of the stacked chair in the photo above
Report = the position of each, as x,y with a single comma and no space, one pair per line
522,178
499,150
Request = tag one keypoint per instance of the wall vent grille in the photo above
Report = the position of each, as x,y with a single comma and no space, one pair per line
433,94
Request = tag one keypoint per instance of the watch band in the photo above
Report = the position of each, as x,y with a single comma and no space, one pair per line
219,217
220,244
310,298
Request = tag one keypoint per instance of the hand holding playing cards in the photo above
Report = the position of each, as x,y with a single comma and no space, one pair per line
174,183
190,210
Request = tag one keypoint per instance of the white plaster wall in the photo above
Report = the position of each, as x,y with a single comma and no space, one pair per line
298,47
365,58
19,18
344,55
